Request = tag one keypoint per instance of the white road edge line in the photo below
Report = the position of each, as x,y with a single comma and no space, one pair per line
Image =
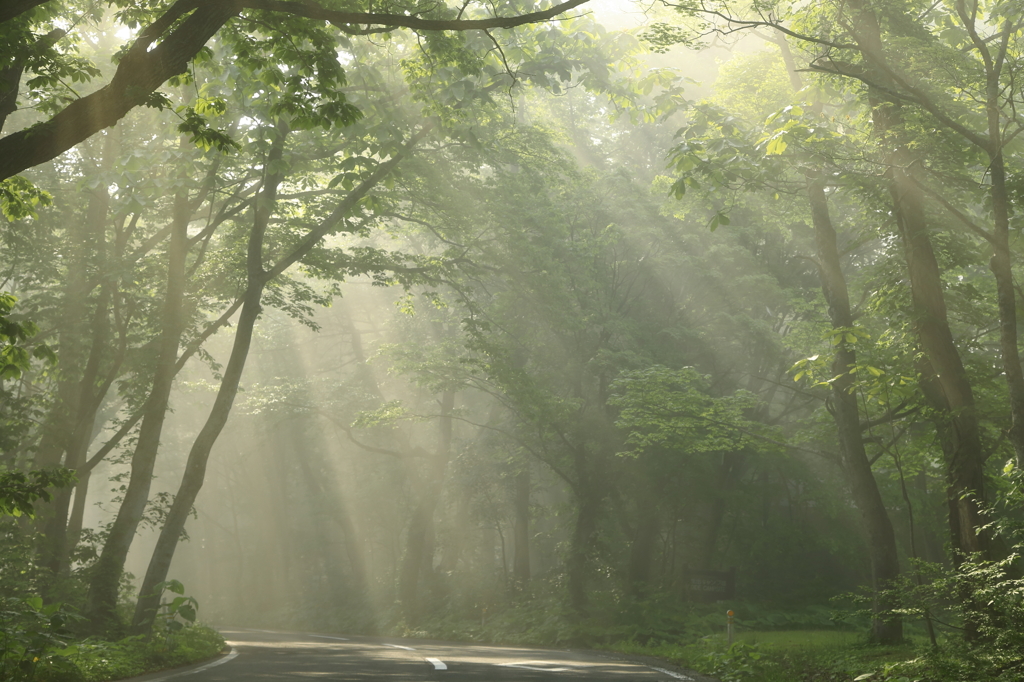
438,663
678,676
340,639
399,646
211,664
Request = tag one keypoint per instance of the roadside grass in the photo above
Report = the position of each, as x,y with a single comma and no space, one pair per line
797,639
827,655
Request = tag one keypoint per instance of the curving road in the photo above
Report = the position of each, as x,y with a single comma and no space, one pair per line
270,656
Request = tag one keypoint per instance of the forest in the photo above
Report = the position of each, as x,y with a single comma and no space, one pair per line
564,324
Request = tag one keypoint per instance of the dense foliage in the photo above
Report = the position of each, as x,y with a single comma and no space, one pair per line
453,321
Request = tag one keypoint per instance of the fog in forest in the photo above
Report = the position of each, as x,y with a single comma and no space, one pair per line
579,329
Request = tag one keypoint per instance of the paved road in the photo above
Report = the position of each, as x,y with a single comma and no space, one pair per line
265,656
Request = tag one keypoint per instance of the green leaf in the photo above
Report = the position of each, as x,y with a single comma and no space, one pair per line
776,145
69,650
174,586
188,612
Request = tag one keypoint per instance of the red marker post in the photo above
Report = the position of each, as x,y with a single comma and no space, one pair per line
729,618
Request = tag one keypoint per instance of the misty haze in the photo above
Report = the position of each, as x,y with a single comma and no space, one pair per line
597,340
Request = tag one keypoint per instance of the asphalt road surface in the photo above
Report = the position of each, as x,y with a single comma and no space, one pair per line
271,656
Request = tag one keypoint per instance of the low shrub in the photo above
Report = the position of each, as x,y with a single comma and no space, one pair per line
37,645
99,661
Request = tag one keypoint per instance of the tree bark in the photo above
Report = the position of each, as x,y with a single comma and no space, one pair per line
101,601
138,75
13,8
882,550
420,526
328,497
81,391
521,558
965,464
1001,262
198,456
579,550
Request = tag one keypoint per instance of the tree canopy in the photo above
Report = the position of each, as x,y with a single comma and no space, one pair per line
489,321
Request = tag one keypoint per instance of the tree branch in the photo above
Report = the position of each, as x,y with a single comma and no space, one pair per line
342,209
145,68
12,8
963,217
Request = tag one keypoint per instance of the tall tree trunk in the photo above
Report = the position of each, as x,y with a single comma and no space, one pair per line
1001,262
965,464
328,496
420,527
101,601
199,455
195,467
579,549
83,389
589,496
87,405
882,549
521,558
86,239
885,567
77,518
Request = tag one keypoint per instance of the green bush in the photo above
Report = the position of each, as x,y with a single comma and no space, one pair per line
733,663
36,645
34,640
99,661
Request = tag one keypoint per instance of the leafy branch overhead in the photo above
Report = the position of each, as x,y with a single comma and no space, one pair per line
169,41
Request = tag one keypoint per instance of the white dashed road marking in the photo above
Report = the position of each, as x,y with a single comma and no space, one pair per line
399,646
438,663
340,639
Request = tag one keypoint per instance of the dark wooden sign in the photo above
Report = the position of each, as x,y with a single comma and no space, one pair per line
711,585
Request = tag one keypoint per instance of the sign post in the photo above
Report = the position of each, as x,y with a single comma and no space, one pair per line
729,616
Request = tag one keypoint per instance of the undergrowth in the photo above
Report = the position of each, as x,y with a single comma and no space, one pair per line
94,660
99,661
45,643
